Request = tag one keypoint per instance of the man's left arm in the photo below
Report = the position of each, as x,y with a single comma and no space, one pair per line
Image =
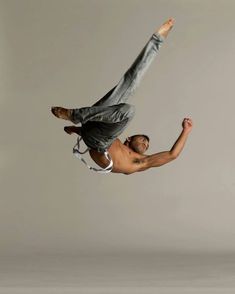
161,158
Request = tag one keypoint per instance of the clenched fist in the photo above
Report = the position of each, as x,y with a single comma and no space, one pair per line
187,124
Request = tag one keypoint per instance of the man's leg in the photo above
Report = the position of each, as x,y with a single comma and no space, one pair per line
101,125
131,79
106,114
121,92
100,135
72,129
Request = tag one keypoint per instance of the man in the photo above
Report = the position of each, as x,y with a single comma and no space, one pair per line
103,122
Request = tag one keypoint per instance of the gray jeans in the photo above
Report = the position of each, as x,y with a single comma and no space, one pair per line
104,121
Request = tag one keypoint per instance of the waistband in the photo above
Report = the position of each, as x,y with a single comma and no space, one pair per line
78,153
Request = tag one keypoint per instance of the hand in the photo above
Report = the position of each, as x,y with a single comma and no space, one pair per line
187,124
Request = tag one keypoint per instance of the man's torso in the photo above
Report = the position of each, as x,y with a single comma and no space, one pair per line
125,160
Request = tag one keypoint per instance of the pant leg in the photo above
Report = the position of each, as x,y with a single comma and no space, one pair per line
100,136
100,131
105,114
131,79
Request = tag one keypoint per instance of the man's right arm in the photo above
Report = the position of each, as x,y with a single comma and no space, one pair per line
164,157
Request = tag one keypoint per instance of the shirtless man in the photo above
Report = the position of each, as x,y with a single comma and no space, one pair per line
103,122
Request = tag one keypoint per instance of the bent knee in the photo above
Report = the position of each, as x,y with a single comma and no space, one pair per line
128,109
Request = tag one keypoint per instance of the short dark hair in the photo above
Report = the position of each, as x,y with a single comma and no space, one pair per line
142,135
137,136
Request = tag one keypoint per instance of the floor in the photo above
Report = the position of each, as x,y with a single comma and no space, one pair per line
118,273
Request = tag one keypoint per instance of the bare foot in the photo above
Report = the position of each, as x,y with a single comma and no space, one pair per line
166,27
72,129
61,112
68,130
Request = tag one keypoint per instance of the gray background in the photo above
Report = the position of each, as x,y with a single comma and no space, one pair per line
70,53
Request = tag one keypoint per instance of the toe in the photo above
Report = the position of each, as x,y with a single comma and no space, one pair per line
56,111
53,110
67,130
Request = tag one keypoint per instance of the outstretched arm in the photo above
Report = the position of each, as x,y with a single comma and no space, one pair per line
164,157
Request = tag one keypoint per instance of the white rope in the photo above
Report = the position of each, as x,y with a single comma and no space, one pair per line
78,153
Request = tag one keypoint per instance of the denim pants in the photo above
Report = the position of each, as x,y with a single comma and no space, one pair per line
104,121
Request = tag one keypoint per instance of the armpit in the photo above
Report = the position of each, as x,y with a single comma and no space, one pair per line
138,160
139,163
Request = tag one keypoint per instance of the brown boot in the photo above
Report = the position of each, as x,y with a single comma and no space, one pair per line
62,113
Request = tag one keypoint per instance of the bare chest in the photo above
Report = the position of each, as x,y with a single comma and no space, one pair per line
122,156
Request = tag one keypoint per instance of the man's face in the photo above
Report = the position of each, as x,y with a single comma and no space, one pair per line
139,144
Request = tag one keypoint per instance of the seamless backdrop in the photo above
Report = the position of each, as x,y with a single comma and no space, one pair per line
70,53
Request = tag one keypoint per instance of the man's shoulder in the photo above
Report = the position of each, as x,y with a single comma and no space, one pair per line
125,159
133,157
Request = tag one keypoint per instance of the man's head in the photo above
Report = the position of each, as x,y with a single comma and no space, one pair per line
138,143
